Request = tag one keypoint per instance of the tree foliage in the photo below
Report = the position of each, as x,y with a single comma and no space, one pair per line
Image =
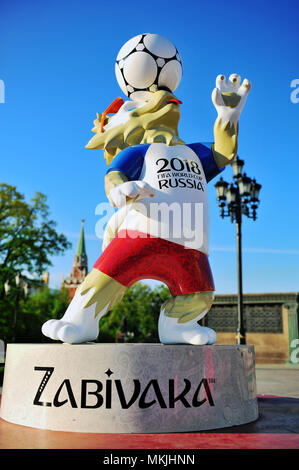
27,235
28,239
141,308
44,304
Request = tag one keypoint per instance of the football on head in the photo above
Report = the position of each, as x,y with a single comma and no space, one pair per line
147,63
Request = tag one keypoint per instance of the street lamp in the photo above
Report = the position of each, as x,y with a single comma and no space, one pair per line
241,197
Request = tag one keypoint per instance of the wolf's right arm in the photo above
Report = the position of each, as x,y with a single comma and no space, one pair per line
113,179
120,191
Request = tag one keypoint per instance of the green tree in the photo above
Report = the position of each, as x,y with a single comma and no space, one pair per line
28,239
41,306
141,308
27,236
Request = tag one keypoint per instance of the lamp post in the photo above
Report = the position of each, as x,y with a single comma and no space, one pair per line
239,198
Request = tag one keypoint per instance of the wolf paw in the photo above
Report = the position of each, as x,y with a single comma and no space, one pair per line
229,97
68,332
181,334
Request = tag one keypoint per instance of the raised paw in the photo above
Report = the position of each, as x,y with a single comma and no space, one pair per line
229,97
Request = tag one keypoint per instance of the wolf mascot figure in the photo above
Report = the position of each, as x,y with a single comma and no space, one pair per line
159,184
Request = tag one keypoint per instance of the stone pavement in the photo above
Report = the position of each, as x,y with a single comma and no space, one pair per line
277,379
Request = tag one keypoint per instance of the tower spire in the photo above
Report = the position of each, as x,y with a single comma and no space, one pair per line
81,243
80,266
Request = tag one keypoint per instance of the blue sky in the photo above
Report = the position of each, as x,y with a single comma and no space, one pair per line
57,64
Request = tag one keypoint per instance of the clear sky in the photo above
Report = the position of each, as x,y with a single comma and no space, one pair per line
57,64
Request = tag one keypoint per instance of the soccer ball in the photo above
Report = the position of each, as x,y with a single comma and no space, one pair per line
147,63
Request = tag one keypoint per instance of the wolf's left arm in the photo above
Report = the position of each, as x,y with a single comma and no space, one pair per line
225,145
229,99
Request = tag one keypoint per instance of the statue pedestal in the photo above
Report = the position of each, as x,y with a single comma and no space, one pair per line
129,388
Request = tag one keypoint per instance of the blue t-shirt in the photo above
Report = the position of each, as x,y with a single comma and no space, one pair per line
130,161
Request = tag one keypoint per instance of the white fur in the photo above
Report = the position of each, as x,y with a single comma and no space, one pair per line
131,189
122,115
78,324
172,332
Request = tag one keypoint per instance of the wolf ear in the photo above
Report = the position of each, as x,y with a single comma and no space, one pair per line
97,123
112,108
97,141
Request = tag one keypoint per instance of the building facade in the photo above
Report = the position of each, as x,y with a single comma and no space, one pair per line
271,322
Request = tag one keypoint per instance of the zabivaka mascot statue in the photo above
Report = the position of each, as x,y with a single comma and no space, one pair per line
158,183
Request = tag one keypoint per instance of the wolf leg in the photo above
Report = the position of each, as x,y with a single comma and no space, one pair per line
179,316
80,323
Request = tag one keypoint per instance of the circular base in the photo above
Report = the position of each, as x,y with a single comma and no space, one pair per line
129,388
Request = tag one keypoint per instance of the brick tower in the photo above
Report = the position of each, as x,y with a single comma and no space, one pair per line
80,266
